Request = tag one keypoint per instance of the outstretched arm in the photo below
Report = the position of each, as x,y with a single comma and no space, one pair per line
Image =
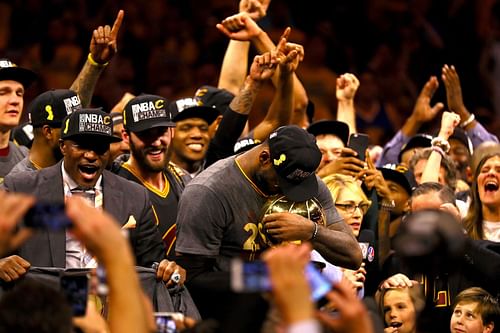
243,28
347,85
475,130
103,47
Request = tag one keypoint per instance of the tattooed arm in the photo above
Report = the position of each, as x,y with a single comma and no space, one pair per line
102,49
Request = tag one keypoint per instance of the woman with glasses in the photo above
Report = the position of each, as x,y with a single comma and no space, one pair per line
352,204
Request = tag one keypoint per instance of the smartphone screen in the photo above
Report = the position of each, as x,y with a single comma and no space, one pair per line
50,215
165,323
359,143
76,289
252,276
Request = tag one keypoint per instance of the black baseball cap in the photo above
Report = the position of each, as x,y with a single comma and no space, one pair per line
460,135
186,108
89,122
417,141
51,107
399,174
338,128
147,111
214,97
295,157
10,71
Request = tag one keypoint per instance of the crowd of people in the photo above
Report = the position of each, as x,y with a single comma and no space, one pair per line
167,197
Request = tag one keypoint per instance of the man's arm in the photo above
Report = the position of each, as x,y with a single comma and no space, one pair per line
422,113
242,27
347,85
103,47
475,130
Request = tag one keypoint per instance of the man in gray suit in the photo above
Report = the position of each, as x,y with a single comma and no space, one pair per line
85,139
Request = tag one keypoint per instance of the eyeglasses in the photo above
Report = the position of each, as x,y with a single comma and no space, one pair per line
351,207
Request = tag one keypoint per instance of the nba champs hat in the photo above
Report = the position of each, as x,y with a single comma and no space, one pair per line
295,157
185,108
50,107
94,122
10,71
147,111
338,128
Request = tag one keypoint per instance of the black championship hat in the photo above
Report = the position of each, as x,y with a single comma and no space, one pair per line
147,111
400,175
417,141
89,122
185,108
10,71
338,128
214,97
51,107
295,157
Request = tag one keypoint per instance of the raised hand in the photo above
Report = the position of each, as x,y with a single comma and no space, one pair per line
103,45
373,178
347,164
423,111
256,9
263,66
449,121
453,89
239,27
347,85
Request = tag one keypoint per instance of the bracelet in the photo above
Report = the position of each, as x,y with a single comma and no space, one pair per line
95,63
315,232
469,120
439,150
441,143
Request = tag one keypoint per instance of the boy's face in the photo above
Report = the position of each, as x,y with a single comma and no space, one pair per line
465,319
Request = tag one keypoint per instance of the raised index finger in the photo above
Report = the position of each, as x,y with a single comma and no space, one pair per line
117,24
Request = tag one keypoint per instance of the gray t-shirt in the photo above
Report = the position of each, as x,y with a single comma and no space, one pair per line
24,165
220,211
16,154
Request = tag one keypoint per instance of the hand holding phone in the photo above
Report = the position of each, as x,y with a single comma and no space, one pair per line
49,215
75,286
359,143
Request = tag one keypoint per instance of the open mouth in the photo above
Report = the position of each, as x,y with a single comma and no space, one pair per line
396,324
196,147
491,186
88,171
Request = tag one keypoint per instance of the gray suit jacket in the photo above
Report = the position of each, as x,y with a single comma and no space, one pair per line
123,199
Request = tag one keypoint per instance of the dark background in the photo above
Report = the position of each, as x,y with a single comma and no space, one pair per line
171,48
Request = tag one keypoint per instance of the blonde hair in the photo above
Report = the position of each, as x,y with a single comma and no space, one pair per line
336,183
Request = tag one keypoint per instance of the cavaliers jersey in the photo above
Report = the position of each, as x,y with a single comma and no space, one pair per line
164,202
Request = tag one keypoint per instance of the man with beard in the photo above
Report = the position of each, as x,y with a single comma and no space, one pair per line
85,138
46,113
148,129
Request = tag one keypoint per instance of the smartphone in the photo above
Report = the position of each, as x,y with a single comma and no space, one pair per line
252,276
75,287
50,215
359,143
165,322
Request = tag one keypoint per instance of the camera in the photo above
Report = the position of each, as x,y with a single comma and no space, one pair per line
49,215
75,286
253,276
165,321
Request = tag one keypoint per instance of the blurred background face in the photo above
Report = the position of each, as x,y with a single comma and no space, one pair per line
465,319
330,146
419,170
399,310
488,181
117,148
352,206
